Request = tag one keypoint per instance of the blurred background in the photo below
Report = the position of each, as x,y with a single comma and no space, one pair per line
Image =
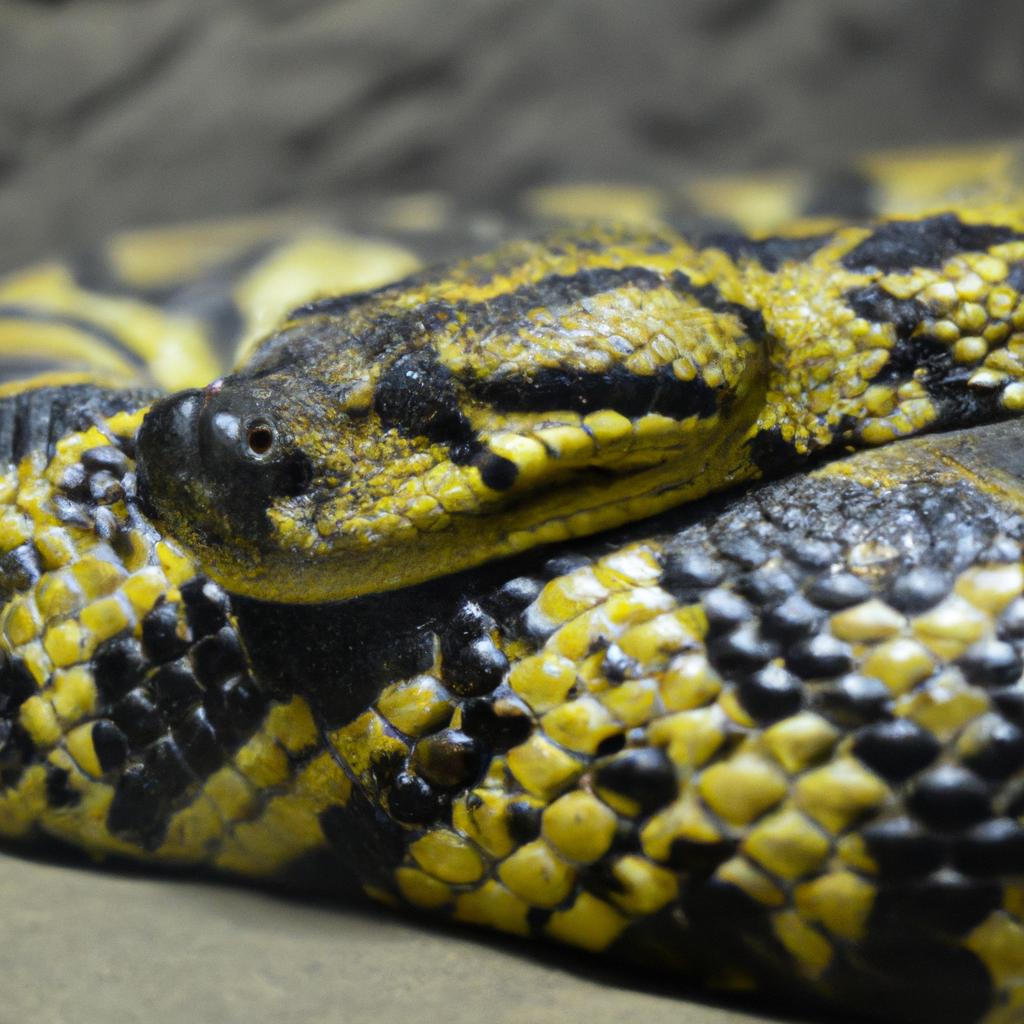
159,110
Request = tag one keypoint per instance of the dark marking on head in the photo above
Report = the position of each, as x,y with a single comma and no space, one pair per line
711,297
497,472
874,303
628,393
901,245
771,253
416,395
387,329
550,290
560,290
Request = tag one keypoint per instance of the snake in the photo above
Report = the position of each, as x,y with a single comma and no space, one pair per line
635,569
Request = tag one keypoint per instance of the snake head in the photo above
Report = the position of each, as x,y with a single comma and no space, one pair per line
375,441
212,461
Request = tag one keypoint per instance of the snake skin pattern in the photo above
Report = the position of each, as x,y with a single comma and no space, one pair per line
771,738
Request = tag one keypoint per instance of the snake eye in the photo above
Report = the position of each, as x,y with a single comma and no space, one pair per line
259,437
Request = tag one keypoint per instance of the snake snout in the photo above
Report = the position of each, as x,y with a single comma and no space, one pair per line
168,450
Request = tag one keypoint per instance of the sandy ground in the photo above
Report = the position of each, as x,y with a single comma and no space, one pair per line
84,946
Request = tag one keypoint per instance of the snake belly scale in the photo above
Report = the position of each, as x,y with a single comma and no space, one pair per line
570,586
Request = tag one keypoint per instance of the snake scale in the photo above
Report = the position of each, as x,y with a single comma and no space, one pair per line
568,585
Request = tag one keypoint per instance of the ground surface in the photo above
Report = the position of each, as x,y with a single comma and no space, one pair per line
83,947
114,114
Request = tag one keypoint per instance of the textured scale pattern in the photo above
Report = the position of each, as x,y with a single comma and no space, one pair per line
771,739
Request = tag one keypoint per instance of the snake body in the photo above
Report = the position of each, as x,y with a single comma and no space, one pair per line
546,589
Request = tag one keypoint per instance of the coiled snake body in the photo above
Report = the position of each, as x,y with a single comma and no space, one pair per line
376,611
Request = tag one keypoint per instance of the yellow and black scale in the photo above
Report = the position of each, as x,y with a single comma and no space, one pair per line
377,611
